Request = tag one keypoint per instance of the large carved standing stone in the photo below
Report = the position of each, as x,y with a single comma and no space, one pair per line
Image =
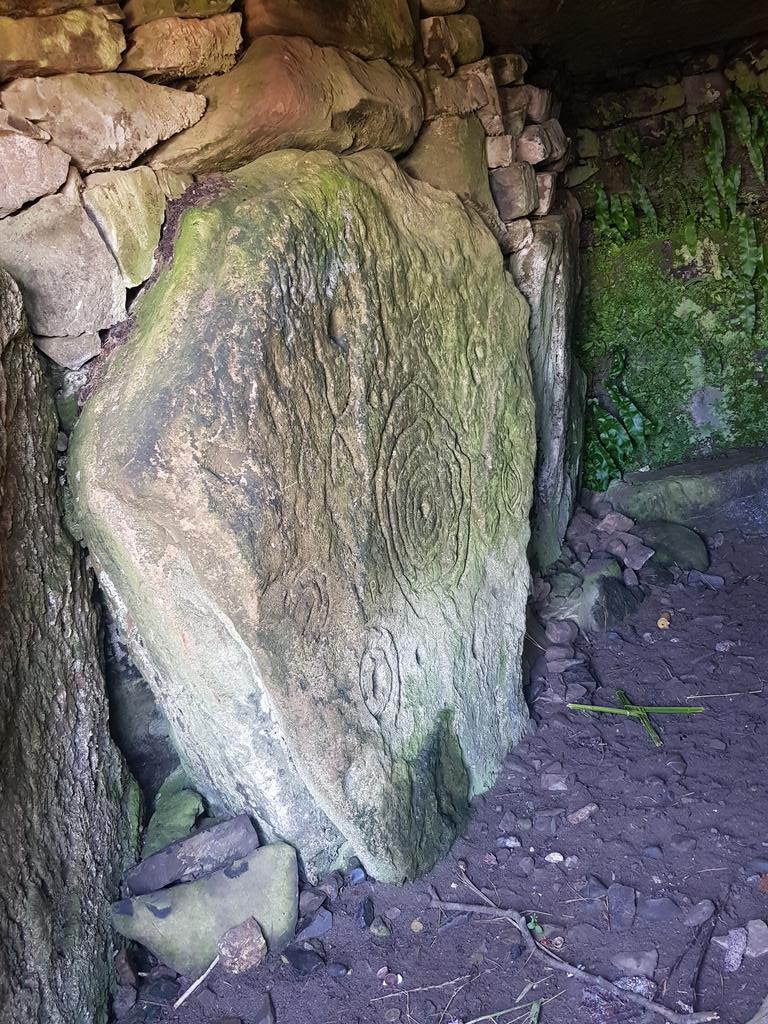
306,480
65,828
547,273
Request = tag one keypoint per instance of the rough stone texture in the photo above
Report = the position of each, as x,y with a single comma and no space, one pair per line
500,150
68,277
80,40
458,95
30,169
128,207
177,808
704,493
596,600
71,353
172,48
287,93
542,143
546,185
514,190
547,273
331,615
450,154
182,925
509,68
370,30
191,858
467,38
242,948
102,121
441,6
64,792
438,45
490,112
138,12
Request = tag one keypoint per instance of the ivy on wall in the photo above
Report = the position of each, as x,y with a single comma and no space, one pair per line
673,320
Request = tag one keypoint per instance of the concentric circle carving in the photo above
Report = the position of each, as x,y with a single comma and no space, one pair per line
380,676
423,493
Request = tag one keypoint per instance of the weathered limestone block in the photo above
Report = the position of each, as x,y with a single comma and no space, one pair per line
509,68
30,167
65,796
438,44
128,207
287,93
139,12
103,121
183,925
514,190
467,36
80,40
370,30
68,277
71,353
450,154
546,184
547,273
490,112
500,150
542,143
457,95
305,482
172,48
536,102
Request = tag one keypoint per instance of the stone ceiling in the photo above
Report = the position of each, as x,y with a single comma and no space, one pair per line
592,37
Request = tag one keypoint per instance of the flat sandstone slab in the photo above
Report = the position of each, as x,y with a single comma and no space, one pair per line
79,40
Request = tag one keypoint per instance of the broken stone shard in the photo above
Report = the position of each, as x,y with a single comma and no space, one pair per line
389,602
68,277
183,925
288,93
547,273
102,121
80,40
184,47
63,785
370,30
195,856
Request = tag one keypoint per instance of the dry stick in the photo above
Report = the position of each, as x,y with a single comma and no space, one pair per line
560,965
196,984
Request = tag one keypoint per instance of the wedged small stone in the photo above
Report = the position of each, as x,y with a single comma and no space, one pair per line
438,45
68,277
757,939
490,112
621,906
288,93
138,12
177,808
509,68
384,29
182,925
657,908
129,209
535,102
243,947
546,184
450,154
171,48
195,856
31,168
542,143
734,946
514,190
467,38
518,235
456,95
103,121
71,353
80,40
644,963
172,184
500,150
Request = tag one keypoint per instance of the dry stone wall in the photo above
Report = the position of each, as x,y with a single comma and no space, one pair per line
116,118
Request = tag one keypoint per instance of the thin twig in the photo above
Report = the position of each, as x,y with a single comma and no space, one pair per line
557,964
513,1009
196,984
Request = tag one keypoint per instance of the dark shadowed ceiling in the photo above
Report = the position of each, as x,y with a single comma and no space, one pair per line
591,37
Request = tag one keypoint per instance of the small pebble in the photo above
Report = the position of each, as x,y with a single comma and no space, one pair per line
582,814
554,858
337,970
509,842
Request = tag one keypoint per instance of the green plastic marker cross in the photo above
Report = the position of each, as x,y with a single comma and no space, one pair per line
640,712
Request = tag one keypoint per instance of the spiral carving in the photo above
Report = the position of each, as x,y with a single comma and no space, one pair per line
423,490
380,676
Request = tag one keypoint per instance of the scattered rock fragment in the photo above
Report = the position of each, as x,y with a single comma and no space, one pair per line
555,782
621,906
657,908
314,926
581,815
243,947
757,939
699,914
303,960
644,963
734,945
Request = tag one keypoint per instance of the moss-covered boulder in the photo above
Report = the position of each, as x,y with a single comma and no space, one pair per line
305,480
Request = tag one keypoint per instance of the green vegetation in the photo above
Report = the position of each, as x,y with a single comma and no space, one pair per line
673,319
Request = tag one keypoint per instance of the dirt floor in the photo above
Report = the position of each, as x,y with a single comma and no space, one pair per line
681,824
